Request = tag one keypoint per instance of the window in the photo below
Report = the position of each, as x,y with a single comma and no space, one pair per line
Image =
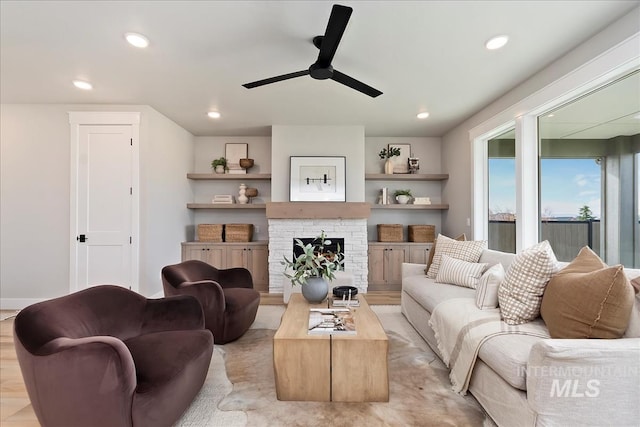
502,192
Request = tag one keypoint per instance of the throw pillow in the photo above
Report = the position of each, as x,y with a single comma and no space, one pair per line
460,273
460,238
636,284
588,299
487,290
469,251
520,293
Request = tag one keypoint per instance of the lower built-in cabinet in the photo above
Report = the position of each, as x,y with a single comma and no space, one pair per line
254,256
385,263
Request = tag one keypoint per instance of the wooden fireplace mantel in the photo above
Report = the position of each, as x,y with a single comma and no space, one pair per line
318,210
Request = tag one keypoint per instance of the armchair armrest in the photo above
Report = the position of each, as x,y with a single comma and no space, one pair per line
585,382
409,269
208,292
236,277
83,381
173,313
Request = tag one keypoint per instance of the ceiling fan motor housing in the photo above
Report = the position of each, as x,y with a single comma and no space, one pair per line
320,73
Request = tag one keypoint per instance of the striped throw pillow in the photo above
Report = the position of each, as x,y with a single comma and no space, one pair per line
458,272
488,285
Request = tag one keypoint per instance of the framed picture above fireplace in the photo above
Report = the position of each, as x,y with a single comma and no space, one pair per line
317,179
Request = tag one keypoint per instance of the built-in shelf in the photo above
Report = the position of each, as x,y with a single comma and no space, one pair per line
227,176
424,207
406,177
226,206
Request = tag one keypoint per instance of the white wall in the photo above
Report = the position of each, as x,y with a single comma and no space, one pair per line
35,198
345,141
575,69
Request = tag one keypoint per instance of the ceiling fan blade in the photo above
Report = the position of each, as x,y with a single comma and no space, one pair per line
335,29
355,84
276,79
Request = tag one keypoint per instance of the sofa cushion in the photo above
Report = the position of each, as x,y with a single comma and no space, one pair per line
488,285
508,356
588,299
460,238
161,356
492,257
469,251
459,273
520,293
429,294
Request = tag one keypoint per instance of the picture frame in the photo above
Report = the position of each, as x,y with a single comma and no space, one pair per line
401,163
233,152
317,179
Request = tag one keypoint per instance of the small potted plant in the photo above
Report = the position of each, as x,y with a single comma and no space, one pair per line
219,165
313,268
388,154
403,196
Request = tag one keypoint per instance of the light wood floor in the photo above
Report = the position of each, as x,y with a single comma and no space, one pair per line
15,407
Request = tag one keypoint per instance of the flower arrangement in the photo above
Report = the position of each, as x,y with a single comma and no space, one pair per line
388,153
315,261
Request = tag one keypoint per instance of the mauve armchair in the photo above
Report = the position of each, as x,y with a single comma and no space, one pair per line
229,302
107,356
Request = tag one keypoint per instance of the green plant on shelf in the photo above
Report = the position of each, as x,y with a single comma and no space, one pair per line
403,193
388,153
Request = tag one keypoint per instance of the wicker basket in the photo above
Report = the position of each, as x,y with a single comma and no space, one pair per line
238,232
389,232
210,232
422,233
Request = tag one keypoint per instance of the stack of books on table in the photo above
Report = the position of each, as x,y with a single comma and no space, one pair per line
332,321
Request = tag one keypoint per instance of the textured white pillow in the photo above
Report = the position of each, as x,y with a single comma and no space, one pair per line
469,251
458,272
487,289
520,293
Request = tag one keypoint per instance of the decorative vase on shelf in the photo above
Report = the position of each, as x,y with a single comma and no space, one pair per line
219,169
315,290
242,196
403,199
388,167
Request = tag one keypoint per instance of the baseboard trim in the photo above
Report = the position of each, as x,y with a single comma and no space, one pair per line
18,303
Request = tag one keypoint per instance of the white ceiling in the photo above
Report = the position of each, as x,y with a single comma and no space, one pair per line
423,56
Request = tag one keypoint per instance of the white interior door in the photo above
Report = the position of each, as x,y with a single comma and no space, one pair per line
104,206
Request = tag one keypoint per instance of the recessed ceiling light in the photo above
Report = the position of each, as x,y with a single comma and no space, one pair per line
82,85
496,42
137,40
423,115
213,114
550,115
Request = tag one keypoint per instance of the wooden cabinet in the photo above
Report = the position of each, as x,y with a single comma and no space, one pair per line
251,255
385,263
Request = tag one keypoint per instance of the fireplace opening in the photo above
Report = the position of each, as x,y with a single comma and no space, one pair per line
333,247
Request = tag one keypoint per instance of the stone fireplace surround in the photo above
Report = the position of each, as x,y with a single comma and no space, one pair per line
308,219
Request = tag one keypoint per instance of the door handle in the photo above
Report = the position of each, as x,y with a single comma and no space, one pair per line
82,238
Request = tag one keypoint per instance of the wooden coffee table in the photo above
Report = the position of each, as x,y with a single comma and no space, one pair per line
339,368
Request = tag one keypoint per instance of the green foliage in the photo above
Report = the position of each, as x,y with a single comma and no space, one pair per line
315,261
388,153
585,214
222,161
403,193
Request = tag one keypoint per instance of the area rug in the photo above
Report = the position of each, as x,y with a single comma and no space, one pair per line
420,393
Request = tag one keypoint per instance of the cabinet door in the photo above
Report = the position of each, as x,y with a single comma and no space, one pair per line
237,256
418,254
395,256
211,254
376,266
259,267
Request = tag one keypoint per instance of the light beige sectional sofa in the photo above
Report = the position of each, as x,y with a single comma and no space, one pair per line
523,380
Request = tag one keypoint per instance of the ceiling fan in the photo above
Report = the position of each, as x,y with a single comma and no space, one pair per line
328,44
